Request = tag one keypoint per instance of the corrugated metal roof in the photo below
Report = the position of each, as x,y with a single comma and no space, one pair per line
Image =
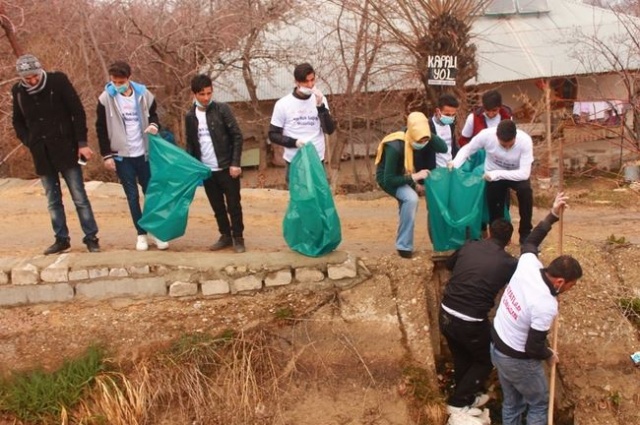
522,47
510,48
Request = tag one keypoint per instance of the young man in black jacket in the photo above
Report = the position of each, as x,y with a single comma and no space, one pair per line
214,138
49,119
480,269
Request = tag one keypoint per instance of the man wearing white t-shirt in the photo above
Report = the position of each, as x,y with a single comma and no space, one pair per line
301,117
126,113
523,319
509,155
215,139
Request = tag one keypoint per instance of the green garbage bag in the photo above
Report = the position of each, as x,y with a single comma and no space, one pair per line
311,225
477,161
455,201
175,175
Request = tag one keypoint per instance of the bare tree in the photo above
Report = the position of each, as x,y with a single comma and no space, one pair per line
9,30
360,41
165,41
619,53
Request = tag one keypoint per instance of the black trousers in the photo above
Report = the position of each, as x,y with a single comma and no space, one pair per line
497,192
223,192
469,345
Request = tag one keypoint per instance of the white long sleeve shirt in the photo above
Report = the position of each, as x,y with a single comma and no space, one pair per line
500,163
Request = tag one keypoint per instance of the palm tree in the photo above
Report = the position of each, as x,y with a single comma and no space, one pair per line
434,27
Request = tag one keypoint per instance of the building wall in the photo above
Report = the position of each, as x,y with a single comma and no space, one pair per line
602,87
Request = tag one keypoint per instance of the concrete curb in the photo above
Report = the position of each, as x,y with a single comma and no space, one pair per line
69,277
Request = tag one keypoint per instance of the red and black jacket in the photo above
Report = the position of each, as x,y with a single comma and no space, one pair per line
480,122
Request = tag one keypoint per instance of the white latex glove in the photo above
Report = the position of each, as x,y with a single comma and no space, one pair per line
151,129
559,204
319,96
450,165
300,143
420,175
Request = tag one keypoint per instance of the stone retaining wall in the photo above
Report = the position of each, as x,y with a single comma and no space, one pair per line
69,277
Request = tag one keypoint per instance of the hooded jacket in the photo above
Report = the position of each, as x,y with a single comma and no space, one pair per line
51,123
395,160
110,126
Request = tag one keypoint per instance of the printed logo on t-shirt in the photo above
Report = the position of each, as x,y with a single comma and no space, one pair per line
300,119
203,132
506,164
130,116
511,303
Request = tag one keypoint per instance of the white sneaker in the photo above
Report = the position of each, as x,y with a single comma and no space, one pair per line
485,417
467,410
480,400
141,243
465,419
161,244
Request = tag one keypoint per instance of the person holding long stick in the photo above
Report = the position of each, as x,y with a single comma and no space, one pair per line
523,319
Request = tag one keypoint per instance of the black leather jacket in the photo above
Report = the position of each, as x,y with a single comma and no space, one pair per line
225,134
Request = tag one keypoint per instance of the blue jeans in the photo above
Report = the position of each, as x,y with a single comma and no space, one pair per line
408,204
75,184
524,384
131,172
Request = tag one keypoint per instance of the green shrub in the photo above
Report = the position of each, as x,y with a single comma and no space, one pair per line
40,396
631,309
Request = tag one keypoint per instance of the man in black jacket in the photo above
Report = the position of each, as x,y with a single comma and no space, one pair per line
214,138
480,270
49,119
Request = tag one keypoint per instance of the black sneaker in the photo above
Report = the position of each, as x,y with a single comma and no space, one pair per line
238,245
223,242
405,254
60,245
92,244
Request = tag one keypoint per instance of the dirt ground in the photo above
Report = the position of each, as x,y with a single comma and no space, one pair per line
601,209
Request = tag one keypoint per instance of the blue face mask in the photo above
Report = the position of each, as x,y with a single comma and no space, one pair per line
418,146
445,120
122,89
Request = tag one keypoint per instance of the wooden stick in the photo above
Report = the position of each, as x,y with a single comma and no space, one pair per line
556,322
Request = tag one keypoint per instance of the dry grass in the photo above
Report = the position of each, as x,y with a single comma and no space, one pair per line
226,380
118,400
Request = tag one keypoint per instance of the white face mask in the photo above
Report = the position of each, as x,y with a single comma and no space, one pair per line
306,91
